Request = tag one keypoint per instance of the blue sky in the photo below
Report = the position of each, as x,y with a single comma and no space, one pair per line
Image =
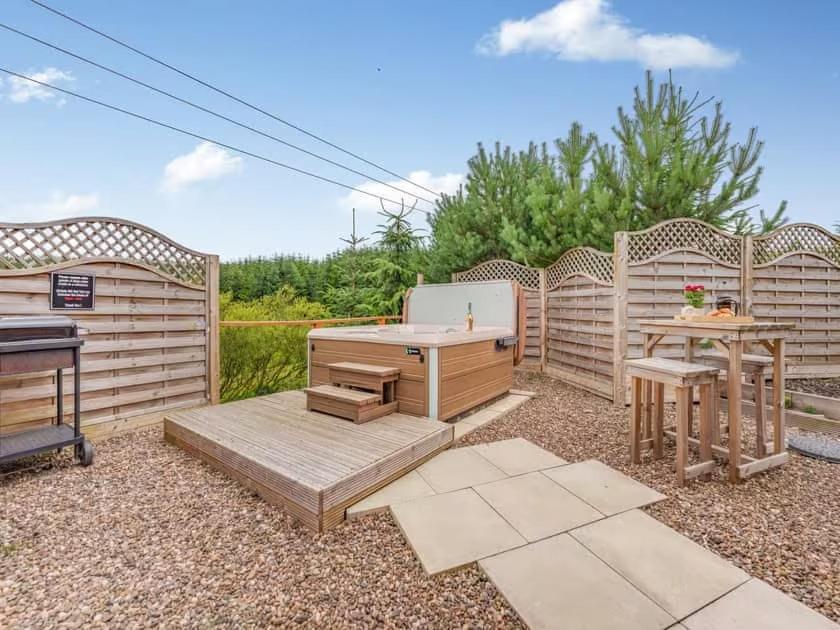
412,86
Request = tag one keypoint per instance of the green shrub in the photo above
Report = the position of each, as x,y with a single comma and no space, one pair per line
259,361
788,402
809,409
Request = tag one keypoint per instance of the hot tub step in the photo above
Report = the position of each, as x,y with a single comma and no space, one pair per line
375,378
347,403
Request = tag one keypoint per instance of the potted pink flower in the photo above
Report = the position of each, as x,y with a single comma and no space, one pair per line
695,297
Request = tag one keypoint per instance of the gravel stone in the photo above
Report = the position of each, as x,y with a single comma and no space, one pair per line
151,537
821,386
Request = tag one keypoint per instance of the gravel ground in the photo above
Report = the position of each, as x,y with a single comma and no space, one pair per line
149,536
821,386
782,526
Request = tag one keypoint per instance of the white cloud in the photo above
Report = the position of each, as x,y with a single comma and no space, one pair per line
588,30
58,206
206,161
447,183
23,90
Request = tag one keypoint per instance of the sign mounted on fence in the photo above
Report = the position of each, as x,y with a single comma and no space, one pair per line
72,291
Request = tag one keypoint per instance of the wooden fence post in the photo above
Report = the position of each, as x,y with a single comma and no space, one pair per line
420,279
746,275
543,321
213,349
619,317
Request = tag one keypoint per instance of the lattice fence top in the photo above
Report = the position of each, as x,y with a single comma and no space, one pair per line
580,261
682,234
34,245
797,237
528,277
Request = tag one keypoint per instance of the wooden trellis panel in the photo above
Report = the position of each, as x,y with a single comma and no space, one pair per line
151,341
531,280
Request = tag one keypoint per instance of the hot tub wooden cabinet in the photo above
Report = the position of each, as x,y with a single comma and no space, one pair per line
443,371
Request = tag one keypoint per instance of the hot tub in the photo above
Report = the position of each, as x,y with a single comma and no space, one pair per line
445,370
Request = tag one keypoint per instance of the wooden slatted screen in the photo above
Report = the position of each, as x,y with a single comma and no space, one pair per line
151,341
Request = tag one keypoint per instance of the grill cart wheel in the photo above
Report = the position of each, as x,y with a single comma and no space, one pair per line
85,453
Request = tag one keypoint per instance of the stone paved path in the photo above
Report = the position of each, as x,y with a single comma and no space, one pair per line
568,547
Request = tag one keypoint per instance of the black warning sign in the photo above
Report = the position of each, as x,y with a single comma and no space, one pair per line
71,291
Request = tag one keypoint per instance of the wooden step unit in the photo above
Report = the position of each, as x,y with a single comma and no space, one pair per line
344,402
375,378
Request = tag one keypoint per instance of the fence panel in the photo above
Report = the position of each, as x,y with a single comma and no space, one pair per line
531,280
588,304
149,340
580,299
796,277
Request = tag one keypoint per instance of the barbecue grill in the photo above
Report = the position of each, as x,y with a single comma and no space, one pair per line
37,344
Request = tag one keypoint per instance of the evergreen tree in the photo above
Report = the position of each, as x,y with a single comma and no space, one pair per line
401,257
671,160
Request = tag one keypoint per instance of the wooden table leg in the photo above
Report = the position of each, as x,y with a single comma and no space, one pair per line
647,394
706,428
688,356
760,407
779,396
682,433
636,420
716,411
658,418
733,392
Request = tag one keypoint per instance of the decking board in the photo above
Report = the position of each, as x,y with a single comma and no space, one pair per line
313,464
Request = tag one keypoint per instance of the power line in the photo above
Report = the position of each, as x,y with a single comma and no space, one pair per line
206,110
227,94
199,136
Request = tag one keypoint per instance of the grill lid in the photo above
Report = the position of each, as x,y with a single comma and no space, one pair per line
36,327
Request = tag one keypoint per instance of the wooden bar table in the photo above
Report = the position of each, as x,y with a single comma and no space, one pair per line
730,338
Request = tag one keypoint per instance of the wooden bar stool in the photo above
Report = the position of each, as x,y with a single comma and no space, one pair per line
682,376
757,368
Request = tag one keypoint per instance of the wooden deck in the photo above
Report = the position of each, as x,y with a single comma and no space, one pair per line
313,464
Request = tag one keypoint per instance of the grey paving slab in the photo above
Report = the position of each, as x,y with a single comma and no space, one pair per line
675,572
409,486
458,468
758,606
450,530
558,583
509,403
604,488
480,417
536,506
518,456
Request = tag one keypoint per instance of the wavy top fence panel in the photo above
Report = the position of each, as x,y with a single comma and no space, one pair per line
43,245
532,281
796,277
150,342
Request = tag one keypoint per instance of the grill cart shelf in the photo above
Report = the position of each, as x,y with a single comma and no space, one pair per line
37,344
